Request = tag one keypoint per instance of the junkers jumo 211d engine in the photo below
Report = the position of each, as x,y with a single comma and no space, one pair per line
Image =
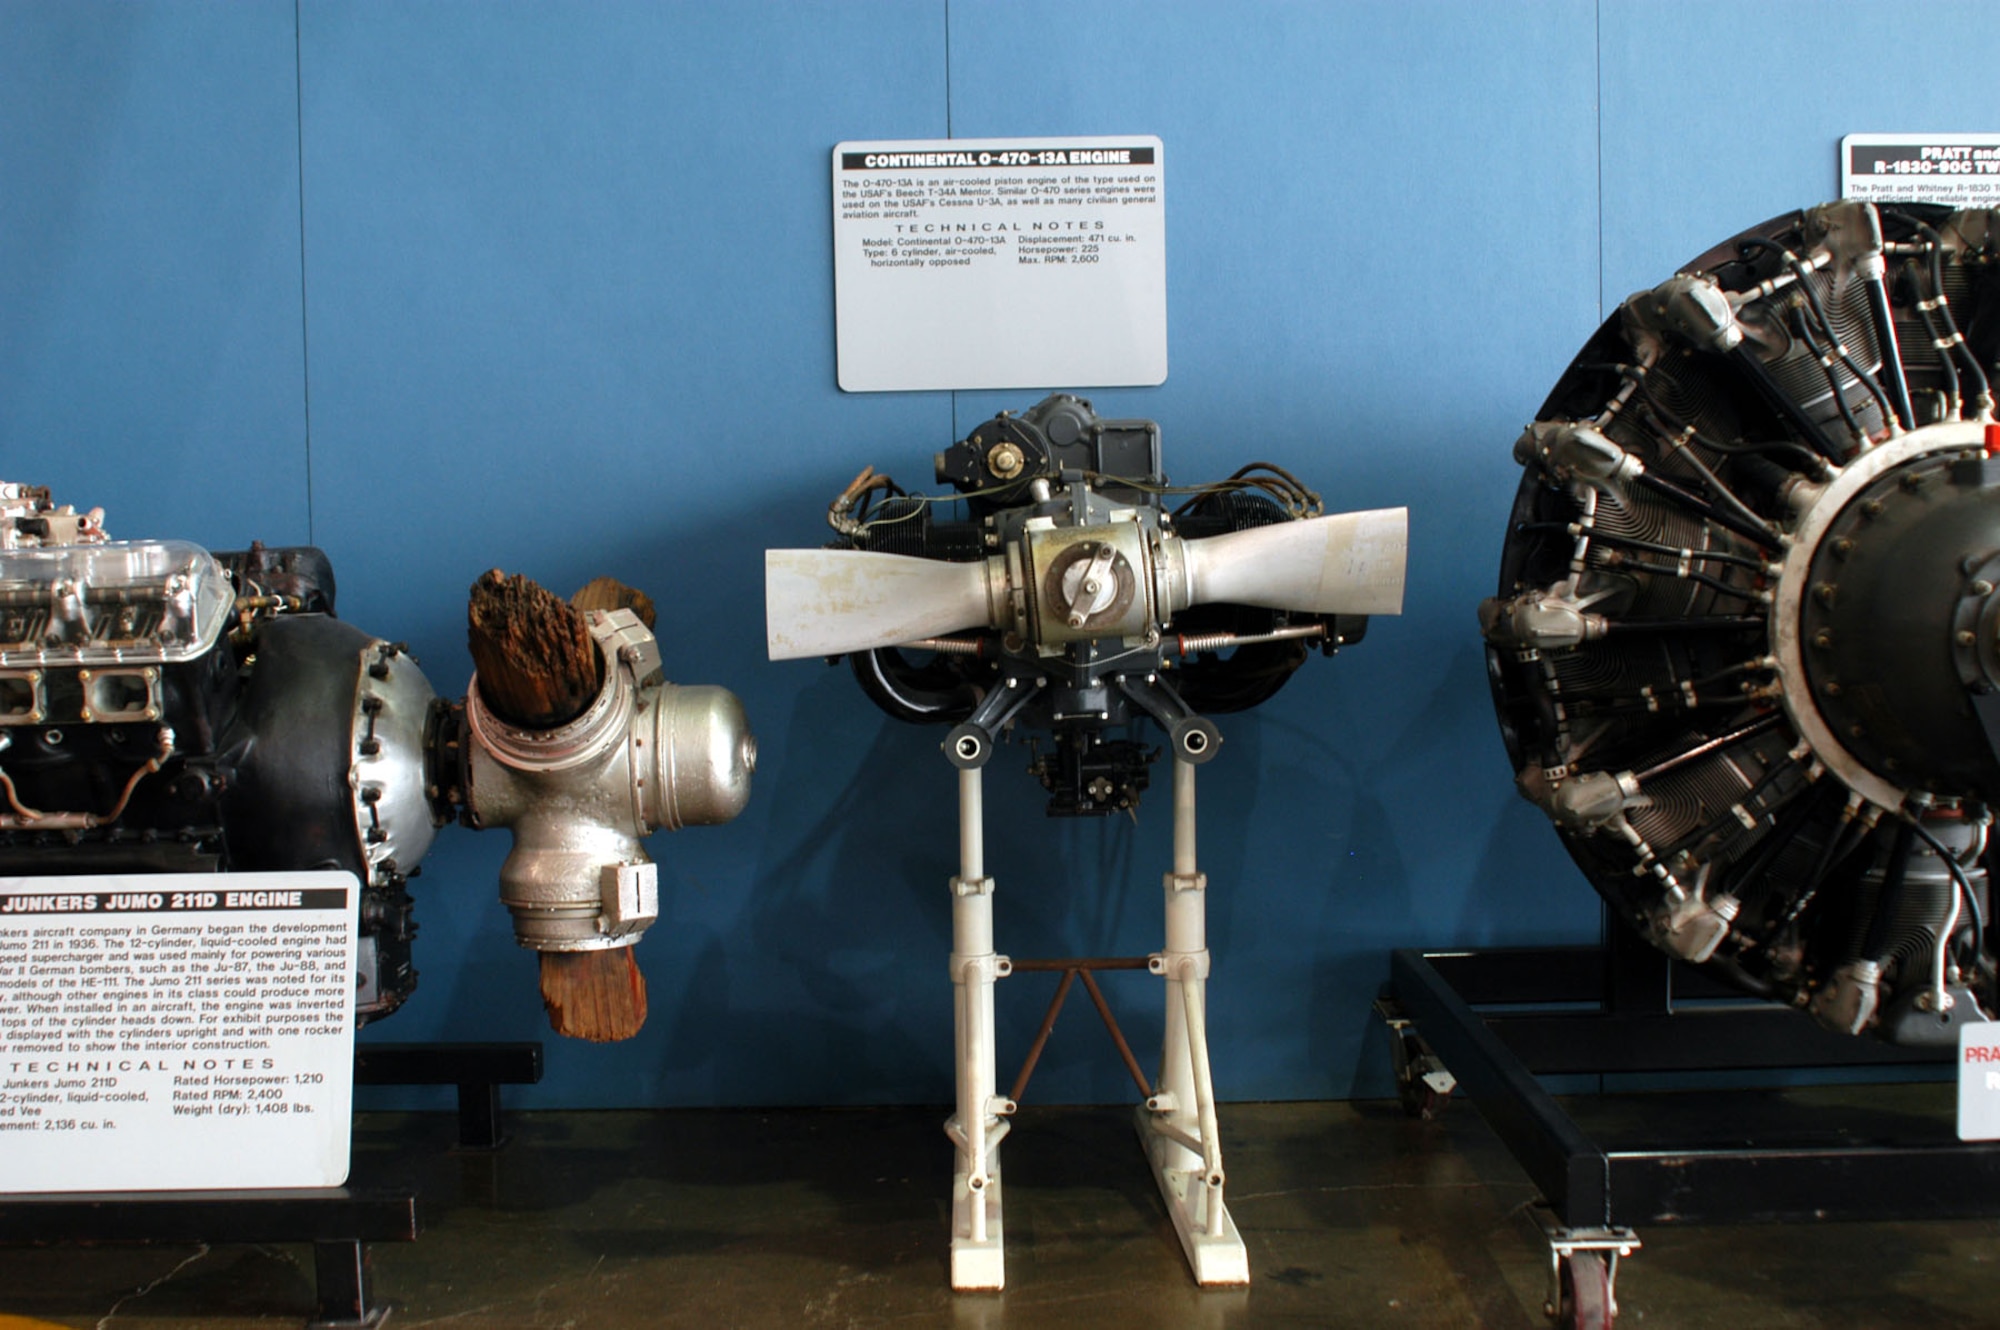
1747,643
166,709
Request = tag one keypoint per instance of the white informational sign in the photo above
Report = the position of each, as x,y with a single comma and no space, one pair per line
180,1030
1000,263
1962,170
1979,1081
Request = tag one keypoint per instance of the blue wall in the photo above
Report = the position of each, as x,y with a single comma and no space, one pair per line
444,287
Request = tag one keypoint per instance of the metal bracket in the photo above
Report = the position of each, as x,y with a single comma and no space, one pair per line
631,898
626,641
980,969
970,744
1423,1084
1181,965
1195,739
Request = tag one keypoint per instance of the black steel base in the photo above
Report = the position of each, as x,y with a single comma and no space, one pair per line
1627,1008
338,1221
478,1070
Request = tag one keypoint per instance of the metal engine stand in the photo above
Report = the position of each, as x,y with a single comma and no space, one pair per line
1501,1018
1177,1122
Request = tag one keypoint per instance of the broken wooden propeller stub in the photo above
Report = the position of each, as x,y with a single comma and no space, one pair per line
608,593
538,667
595,995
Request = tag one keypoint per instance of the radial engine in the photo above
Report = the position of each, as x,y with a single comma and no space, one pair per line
168,709
1747,641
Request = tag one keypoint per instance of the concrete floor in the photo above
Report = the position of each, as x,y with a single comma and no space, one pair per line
1354,1215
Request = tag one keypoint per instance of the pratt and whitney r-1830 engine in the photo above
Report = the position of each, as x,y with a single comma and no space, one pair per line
1747,643
167,709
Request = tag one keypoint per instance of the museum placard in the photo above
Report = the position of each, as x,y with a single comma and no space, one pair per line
169,1031
1000,263
1962,170
1979,1081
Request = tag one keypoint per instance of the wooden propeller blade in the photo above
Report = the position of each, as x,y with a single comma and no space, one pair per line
595,995
537,666
608,593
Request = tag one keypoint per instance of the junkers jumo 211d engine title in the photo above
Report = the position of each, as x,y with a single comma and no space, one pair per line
1748,639
163,708
1059,603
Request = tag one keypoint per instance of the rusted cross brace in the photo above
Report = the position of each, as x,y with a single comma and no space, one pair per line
1072,968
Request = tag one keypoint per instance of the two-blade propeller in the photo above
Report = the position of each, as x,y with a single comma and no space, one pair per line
828,602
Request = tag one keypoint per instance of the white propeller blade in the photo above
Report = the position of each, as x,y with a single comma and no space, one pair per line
830,602
1345,563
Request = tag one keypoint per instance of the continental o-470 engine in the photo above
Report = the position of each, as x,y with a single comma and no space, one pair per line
168,709
1075,597
1072,599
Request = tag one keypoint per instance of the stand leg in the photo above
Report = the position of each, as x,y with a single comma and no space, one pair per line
1178,1123
340,1276
978,1126
479,1116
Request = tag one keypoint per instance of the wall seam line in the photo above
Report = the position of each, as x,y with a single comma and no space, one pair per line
305,349
948,134
1598,120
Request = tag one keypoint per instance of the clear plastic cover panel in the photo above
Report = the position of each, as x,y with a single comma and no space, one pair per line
125,602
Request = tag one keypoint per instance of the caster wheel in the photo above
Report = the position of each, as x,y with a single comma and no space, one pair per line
1586,1293
1421,1102
1423,1086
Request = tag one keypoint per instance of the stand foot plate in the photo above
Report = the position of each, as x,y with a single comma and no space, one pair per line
1217,1259
375,1318
977,1265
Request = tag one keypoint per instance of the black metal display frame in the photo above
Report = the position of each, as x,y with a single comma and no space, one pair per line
1626,1008
478,1070
339,1222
